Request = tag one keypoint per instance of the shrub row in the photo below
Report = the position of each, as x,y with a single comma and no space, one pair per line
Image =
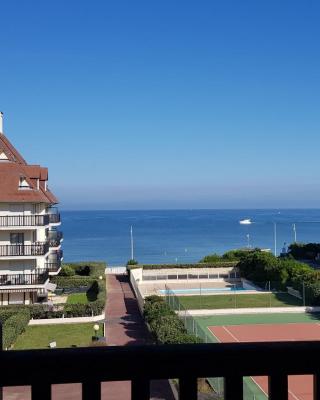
166,327
307,251
218,264
67,282
92,268
284,271
13,327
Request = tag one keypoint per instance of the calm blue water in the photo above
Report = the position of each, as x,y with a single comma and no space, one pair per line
197,290
178,236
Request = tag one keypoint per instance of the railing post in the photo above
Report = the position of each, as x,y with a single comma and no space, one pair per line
91,390
278,387
140,389
188,388
233,388
316,386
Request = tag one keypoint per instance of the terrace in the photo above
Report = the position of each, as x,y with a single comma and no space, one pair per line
233,361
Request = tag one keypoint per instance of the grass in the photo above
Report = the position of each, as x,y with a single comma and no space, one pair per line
239,301
66,335
77,298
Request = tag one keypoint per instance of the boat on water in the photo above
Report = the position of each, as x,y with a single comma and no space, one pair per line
245,221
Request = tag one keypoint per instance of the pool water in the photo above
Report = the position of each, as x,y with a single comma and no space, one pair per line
202,290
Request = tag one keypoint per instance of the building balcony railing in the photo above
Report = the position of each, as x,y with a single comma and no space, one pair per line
54,215
35,249
54,218
37,278
55,238
141,364
24,220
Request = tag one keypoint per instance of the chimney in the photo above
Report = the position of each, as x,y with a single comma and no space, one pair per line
1,122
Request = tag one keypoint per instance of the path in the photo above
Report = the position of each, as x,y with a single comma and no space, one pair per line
125,326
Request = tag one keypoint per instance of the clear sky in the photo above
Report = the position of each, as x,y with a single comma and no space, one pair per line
166,104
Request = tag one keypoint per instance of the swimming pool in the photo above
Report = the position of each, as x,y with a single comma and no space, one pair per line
202,290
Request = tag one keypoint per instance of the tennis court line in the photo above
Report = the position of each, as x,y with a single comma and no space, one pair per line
211,333
231,334
293,395
256,383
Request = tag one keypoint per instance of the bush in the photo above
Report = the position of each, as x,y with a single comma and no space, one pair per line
232,255
307,251
83,270
132,262
68,282
156,310
14,326
96,269
166,327
66,270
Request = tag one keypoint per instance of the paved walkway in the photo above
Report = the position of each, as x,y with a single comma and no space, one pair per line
124,326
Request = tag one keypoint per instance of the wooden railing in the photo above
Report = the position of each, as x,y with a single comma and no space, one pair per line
37,278
35,249
24,220
141,364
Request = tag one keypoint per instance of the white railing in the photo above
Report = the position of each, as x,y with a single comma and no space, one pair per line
116,270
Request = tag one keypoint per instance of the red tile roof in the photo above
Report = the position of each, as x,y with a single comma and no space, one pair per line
16,167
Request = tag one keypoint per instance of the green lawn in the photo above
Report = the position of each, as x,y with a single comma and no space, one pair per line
239,301
66,335
77,298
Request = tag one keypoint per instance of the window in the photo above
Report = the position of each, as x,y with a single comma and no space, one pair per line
3,156
16,238
23,184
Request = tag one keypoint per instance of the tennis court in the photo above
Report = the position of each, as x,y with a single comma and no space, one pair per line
300,387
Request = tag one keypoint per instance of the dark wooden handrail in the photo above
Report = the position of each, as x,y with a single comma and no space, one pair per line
140,364
24,220
35,249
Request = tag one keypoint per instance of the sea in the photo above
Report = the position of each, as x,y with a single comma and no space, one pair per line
180,236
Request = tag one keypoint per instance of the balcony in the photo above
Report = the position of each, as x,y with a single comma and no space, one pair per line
141,364
37,278
54,215
55,238
23,220
19,250
53,266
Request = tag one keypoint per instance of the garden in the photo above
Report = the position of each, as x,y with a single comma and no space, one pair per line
85,287
63,335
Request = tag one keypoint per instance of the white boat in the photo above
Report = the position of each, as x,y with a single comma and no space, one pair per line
245,222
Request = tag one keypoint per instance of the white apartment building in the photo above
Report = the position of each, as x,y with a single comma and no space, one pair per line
30,242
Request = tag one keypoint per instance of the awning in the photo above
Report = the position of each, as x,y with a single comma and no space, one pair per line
50,286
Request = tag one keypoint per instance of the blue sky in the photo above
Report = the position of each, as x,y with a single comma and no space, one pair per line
166,104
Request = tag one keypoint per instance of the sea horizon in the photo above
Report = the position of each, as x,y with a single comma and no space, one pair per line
180,236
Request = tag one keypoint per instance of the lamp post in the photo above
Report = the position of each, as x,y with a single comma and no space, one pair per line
96,328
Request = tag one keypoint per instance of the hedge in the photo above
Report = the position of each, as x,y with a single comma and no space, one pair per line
218,264
94,268
67,282
13,327
166,327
